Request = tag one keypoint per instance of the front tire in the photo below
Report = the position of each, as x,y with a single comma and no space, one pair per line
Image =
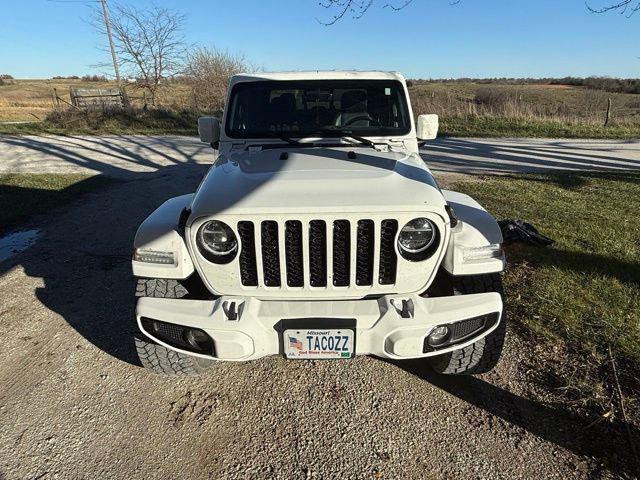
154,356
483,355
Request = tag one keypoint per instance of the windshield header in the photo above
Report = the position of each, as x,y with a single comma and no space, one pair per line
321,108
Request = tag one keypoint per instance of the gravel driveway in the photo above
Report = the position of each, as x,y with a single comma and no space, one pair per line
75,404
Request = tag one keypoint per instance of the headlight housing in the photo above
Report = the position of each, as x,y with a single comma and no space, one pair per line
418,239
217,242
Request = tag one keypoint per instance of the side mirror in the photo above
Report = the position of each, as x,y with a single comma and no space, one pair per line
427,127
209,130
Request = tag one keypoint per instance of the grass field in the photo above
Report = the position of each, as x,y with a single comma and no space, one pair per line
582,294
29,100
30,194
465,109
555,111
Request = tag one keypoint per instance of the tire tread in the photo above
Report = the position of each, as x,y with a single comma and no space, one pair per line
154,356
483,355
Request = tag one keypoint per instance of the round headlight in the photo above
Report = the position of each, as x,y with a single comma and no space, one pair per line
417,235
217,238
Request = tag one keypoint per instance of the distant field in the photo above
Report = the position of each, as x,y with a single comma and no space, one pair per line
30,100
465,109
561,103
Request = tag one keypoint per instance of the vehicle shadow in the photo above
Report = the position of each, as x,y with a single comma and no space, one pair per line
84,259
462,155
605,442
83,254
117,156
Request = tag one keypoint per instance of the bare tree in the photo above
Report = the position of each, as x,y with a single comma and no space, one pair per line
626,7
355,8
149,44
208,72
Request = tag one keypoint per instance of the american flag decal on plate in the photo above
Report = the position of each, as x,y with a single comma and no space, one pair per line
295,343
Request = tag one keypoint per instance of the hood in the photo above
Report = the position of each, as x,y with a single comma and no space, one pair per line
323,179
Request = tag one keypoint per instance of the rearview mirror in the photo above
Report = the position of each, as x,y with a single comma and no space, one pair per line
209,130
427,127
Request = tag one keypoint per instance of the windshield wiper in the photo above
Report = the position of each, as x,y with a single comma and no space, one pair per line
297,143
289,140
362,140
357,138
285,139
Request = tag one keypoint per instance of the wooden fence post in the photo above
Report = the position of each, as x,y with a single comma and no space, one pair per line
608,115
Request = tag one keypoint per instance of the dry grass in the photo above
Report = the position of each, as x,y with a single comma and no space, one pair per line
30,100
550,103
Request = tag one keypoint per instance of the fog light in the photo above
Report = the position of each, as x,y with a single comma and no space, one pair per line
179,336
153,256
198,339
438,335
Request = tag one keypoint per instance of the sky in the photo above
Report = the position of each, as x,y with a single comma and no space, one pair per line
427,39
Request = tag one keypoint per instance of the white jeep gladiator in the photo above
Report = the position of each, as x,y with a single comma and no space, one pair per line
319,233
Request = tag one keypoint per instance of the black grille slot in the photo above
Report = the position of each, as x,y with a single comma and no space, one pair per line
270,254
460,330
341,253
388,258
364,257
293,253
318,253
248,268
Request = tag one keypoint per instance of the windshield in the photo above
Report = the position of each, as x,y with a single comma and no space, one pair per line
322,108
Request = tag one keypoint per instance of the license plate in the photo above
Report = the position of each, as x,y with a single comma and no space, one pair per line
333,343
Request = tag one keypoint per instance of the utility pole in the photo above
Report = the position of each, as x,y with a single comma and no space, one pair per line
105,14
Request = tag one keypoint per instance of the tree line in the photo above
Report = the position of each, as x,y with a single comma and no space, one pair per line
607,84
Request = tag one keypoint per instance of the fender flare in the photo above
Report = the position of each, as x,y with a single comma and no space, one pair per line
476,228
160,232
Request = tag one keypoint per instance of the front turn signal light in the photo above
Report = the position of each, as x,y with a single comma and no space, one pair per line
482,254
153,256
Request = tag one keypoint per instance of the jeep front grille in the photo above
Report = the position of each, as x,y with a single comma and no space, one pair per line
348,260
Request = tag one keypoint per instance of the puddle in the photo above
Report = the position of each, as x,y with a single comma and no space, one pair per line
17,242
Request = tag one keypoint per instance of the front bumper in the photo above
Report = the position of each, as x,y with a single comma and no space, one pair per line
246,328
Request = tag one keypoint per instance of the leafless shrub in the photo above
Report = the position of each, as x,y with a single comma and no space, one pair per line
208,72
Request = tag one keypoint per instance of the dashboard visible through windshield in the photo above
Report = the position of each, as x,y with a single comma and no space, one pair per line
323,108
